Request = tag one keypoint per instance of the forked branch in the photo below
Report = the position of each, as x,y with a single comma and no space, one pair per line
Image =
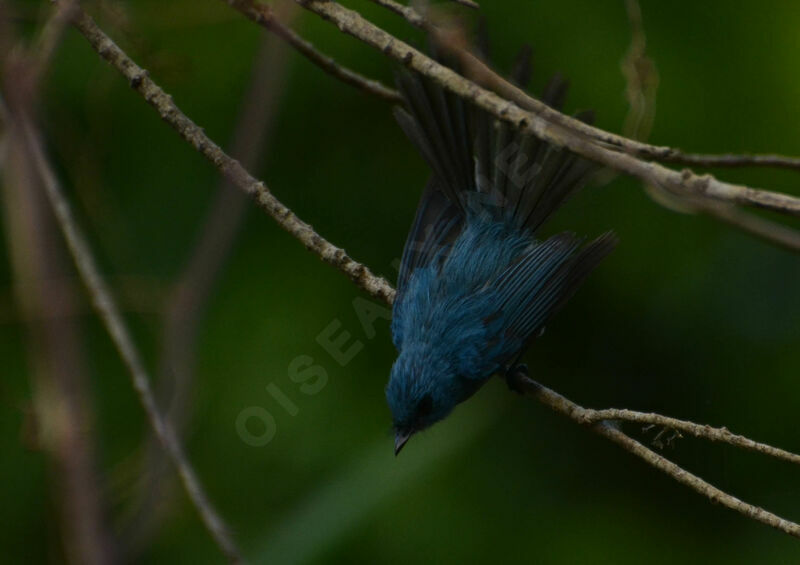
141,82
491,80
543,122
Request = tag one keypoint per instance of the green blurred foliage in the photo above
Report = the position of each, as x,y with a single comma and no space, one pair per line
688,317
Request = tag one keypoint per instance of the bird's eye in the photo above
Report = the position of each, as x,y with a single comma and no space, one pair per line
425,406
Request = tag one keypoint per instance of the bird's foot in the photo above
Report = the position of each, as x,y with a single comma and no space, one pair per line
514,375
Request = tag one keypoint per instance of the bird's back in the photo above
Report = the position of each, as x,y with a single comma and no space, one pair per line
448,310
475,283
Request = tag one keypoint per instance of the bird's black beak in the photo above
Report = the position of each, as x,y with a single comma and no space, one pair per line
400,440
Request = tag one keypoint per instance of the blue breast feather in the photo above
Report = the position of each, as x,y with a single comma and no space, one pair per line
457,310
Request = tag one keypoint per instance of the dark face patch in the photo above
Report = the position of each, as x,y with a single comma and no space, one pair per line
424,408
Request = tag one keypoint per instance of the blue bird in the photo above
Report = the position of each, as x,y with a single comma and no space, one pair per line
476,285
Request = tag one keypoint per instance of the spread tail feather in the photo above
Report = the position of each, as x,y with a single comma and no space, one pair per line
484,166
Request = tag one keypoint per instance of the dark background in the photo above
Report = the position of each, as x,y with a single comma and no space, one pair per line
688,317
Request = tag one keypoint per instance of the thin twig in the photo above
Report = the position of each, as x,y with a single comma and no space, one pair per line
50,37
265,15
489,79
538,124
641,87
407,12
697,430
61,401
468,4
222,224
772,232
642,81
107,308
641,78
731,160
581,415
61,398
188,300
232,169
139,295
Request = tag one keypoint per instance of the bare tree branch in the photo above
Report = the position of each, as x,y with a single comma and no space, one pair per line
187,302
772,232
50,37
484,75
600,425
698,430
641,79
232,169
546,124
120,335
641,88
265,15
63,425
731,160
491,80
379,287
192,290
58,370
468,4
139,295
407,12
61,402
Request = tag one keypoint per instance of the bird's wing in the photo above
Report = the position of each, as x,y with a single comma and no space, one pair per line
532,289
485,170
435,226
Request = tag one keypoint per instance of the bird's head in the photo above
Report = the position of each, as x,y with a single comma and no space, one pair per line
422,390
